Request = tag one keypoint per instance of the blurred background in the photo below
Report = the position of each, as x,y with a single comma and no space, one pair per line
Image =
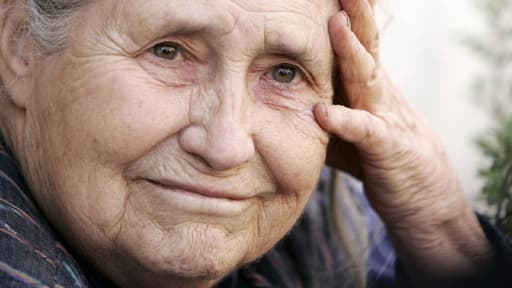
451,59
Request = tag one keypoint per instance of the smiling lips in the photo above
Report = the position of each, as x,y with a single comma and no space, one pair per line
195,189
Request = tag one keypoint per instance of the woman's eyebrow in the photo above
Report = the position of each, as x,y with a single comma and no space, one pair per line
307,43
177,26
303,39
302,52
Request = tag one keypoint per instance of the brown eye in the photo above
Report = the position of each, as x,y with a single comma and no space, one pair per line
168,51
284,73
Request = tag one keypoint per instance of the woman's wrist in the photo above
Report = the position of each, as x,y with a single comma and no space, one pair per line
453,248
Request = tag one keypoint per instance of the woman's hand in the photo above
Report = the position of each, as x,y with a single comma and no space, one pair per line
407,176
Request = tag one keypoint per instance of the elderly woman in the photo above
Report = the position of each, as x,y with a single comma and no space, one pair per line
175,143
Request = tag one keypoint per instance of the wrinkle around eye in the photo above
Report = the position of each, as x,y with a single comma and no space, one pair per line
175,73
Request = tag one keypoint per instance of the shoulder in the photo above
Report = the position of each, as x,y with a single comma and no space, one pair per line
30,253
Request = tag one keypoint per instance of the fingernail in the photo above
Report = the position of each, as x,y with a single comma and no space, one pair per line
343,18
323,109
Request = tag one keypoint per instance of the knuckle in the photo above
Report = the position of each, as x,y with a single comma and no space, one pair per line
375,44
369,131
376,76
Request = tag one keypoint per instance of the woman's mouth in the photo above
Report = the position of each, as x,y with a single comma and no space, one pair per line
200,190
199,199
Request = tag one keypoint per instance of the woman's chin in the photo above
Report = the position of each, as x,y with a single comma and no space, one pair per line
190,252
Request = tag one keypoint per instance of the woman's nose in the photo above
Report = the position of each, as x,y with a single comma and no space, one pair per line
220,139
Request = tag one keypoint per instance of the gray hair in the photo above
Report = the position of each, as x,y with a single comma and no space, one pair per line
48,25
49,21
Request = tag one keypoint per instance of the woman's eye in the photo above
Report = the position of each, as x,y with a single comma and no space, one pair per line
284,73
168,51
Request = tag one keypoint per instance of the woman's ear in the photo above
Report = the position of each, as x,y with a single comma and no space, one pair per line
16,55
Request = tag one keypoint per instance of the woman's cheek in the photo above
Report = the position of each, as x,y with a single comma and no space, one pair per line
125,114
293,109
293,147
292,143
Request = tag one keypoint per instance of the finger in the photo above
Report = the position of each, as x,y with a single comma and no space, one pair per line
360,74
358,127
349,50
363,23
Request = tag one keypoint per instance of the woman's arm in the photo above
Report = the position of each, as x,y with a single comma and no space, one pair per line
407,176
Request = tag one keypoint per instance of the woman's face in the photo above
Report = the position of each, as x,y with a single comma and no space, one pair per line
175,140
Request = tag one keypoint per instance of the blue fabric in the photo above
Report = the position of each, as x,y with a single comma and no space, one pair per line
31,254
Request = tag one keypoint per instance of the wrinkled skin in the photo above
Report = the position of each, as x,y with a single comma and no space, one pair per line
109,133
112,133
407,176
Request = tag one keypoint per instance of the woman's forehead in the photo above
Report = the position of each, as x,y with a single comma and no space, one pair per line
290,27
222,16
308,8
